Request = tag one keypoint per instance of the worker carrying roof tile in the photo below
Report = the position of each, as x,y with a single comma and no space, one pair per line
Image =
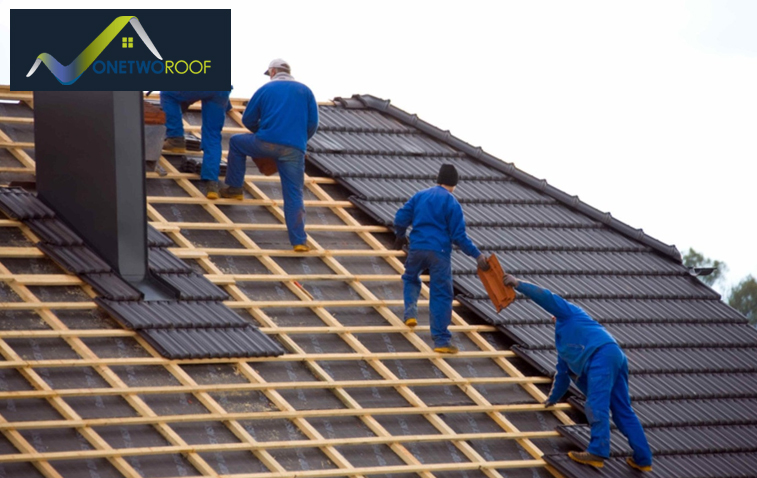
214,107
437,223
282,116
590,356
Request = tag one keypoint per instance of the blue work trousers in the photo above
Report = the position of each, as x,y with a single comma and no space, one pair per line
440,269
214,105
605,384
291,165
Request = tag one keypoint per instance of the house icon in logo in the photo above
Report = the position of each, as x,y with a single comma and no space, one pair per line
70,73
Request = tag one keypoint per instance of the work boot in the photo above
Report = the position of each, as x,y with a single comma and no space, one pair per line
301,248
211,189
586,458
411,322
229,192
633,464
175,145
446,349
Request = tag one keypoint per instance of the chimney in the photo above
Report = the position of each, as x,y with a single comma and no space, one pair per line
89,150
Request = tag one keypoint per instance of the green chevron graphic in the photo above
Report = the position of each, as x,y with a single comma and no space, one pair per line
66,75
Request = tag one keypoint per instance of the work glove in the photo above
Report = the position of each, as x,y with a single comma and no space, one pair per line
482,263
510,281
547,403
400,242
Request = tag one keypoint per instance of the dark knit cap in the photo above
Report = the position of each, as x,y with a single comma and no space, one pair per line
447,175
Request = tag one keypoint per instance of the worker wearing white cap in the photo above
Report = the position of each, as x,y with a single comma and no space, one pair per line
282,116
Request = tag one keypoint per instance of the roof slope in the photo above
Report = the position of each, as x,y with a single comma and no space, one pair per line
356,394
688,351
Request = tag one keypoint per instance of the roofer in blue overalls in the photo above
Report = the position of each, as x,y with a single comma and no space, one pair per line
283,116
214,107
590,356
438,222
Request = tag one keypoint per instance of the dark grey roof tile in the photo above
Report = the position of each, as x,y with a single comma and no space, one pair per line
539,238
20,204
576,262
576,286
111,286
162,261
472,191
54,231
391,166
156,238
194,287
676,440
720,465
647,335
75,259
171,314
381,143
494,215
212,343
665,361
673,413
614,311
340,119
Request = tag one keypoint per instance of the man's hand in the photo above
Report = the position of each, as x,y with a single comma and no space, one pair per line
548,404
482,263
511,281
399,243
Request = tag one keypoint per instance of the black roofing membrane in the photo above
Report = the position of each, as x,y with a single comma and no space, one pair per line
29,409
87,319
7,294
13,237
164,188
234,462
248,214
7,160
184,213
115,347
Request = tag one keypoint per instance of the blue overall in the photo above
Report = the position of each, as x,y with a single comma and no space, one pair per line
282,115
214,105
438,222
586,350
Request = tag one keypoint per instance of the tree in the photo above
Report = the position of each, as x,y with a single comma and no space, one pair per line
693,259
744,298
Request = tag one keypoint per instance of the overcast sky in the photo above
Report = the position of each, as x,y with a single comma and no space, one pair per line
645,109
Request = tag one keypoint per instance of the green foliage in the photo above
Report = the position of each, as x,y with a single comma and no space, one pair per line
693,258
744,298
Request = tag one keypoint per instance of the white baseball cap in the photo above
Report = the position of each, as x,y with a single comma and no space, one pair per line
279,64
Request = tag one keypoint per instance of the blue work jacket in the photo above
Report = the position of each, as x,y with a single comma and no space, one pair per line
283,112
577,336
437,220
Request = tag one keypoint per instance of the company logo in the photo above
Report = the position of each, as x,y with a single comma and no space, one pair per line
70,73
187,60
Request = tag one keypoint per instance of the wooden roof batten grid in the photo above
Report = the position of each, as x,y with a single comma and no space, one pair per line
44,461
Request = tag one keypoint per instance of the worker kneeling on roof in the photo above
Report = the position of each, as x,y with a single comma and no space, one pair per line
214,107
438,222
282,116
590,356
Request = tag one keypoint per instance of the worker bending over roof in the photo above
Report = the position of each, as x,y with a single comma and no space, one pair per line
590,356
282,116
214,107
438,223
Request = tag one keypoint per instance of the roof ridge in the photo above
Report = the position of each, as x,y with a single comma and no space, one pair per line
385,106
